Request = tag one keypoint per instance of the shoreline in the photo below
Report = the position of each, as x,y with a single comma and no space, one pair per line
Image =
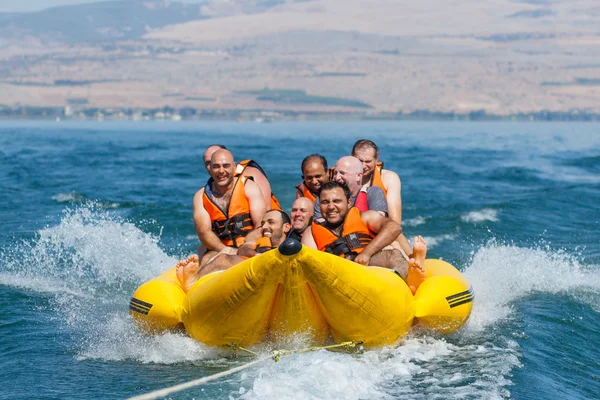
267,116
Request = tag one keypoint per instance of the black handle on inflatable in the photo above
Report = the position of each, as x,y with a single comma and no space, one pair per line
289,247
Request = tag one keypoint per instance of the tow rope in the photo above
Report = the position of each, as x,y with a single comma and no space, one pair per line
275,356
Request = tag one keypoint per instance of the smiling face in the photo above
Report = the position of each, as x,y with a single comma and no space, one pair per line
314,175
273,227
334,205
368,157
348,171
222,168
302,212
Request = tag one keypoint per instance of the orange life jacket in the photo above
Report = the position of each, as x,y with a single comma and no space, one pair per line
353,240
376,177
305,192
263,245
239,170
233,224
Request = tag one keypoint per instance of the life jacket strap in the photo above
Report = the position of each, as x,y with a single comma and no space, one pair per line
347,244
232,228
263,249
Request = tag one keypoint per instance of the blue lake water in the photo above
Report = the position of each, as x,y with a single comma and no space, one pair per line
91,210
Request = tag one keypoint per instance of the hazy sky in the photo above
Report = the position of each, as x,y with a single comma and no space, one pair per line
34,5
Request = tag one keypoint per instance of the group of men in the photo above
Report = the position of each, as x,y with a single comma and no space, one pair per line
352,210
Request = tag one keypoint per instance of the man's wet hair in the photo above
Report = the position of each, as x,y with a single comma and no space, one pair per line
335,184
317,156
284,217
363,143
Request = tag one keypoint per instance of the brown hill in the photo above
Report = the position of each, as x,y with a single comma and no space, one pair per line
333,55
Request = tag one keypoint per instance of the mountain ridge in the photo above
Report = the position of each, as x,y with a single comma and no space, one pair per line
502,57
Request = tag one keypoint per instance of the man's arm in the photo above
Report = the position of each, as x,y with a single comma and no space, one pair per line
203,224
255,198
386,229
247,249
393,186
262,182
308,240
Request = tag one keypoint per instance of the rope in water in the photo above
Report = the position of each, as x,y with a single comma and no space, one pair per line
275,356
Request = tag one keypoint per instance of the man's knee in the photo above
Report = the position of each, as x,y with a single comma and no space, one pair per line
397,262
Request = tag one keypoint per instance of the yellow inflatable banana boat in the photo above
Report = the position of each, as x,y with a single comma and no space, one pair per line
295,289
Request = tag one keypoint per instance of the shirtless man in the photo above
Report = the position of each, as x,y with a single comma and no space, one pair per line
302,214
314,174
250,171
273,230
349,171
348,233
374,175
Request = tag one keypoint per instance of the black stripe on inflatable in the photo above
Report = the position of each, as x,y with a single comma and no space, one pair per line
144,311
457,301
465,301
140,303
461,294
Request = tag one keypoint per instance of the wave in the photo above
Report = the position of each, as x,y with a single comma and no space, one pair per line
414,221
474,217
433,241
79,198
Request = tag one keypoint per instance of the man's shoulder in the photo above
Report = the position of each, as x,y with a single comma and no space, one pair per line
375,191
198,195
387,175
254,170
376,199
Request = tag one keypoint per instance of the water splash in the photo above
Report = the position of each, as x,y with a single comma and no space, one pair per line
88,265
421,368
90,251
502,274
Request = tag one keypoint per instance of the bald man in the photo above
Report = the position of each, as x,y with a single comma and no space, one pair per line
302,215
349,171
227,208
248,168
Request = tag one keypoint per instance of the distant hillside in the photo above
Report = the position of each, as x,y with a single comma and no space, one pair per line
501,57
96,22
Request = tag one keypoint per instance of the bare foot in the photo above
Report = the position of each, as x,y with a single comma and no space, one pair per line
187,272
416,272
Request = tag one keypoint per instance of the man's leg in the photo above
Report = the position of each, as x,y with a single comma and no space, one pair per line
392,259
189,271
220,263
411,271
416,265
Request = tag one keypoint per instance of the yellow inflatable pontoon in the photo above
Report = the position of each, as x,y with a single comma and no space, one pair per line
295,289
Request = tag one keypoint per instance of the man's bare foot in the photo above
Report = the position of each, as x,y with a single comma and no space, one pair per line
192,258
187,272
416,271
